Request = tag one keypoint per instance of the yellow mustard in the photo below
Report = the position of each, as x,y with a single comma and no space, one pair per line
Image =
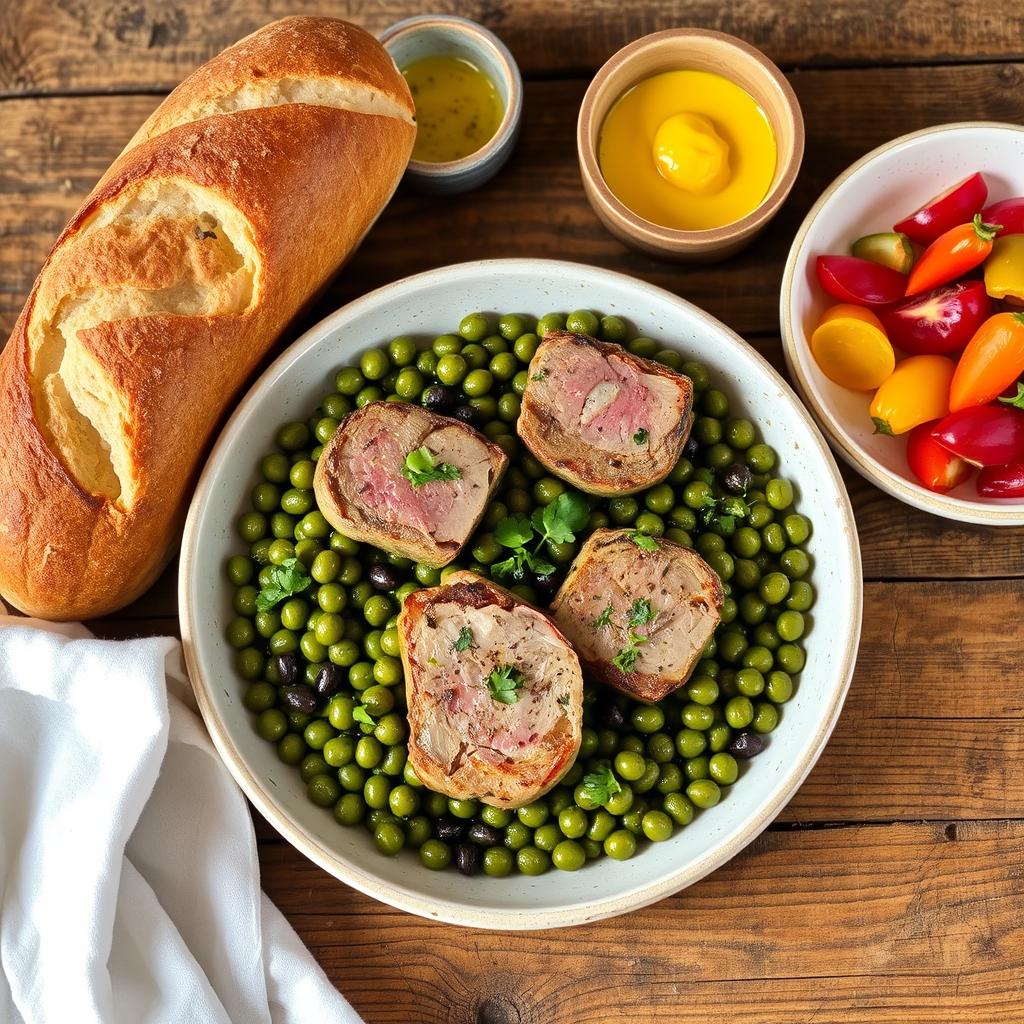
688,149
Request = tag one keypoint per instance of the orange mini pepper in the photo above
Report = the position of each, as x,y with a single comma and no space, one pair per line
952,254
993,359
915,392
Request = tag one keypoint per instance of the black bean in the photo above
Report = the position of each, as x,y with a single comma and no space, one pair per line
439,398
300,697
746,745
612,716
736,478
466,413
288,668
451,830
691,447
484,835
383,577
467,858
328,680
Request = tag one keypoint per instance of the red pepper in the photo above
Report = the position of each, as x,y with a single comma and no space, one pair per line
1009,213
937,322
984,435
861,282
936,467
952,254
1002,481
954,206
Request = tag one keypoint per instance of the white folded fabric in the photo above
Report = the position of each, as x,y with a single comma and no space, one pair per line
129,882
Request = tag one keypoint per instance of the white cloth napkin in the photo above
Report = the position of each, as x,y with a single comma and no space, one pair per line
129,883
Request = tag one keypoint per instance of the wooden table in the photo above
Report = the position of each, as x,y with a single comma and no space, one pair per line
891,887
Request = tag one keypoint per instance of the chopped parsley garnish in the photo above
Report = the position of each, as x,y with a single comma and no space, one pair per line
420,468
505,682
641,613
541,374
643,541
723,513
290,577
363,717
558,522
604,619
465,640
600,785
641,436
625,660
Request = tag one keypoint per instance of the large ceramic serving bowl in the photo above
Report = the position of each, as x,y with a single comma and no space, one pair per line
430,304
872,195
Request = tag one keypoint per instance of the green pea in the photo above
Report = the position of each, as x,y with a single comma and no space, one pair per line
349,381
525,348
534,815
252,527
620,845
761,458
643,347
474,327
719,737
349,810
740,434
517,835
794,563
668,357
678,808
368,395
629,766
497,862
582,321
622,801
476,356
749,682
774,588
724,769
272,724
739,712
622,511
657,826
409,383
369,752
614,329
707,430
801,596
779,494
426,363
374,364
512,326
650,524
496,817
503,366
375,792
704,793
568,855
697,494
746,542
550,322
451,369
547,837
647,718
274,468
377,610
435,855
477,382
323,790
325,428
532,861
293,437
766,718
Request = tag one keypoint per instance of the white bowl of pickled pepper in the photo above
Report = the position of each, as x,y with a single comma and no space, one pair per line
902,314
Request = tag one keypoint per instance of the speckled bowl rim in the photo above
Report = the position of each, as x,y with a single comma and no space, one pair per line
903,489
402,897
509,124
674,238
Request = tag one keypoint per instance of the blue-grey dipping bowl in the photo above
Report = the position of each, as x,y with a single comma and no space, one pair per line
442,35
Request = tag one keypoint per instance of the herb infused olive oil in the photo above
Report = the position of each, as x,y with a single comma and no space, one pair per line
458,108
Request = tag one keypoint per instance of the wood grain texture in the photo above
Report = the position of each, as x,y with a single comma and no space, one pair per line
109,46
887,923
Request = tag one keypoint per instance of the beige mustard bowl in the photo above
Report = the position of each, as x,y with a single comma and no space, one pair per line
694,50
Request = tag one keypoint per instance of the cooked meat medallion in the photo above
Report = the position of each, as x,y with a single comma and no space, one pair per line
601,418
495,693
407,480
638,615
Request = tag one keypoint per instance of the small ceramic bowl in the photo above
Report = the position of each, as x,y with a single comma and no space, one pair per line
440,35
872,195
698,50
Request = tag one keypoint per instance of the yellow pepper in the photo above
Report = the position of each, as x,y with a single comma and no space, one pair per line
850,346
915,392
1004,269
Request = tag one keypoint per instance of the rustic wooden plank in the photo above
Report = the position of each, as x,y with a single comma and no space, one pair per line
53,150
901,924
108,46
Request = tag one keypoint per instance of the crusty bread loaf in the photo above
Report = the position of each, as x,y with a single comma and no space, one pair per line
235,202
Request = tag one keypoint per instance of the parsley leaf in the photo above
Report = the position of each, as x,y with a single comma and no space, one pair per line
290,577
641,436
641,613
604,619
558,523
420,468
505,682
541,374
625,660
465,640
564,517
643,541
513,532
1017,400
600,785
363,717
